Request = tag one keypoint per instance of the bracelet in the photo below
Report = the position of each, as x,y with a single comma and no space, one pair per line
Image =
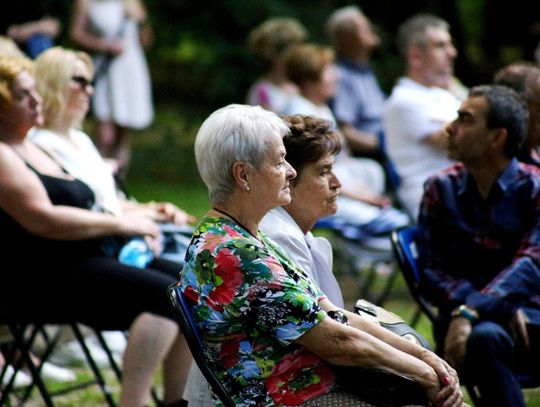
465,312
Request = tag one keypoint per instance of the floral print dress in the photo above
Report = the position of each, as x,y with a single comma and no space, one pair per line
250,304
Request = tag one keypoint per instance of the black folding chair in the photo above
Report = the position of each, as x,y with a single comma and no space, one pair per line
404,245
24,336
193,339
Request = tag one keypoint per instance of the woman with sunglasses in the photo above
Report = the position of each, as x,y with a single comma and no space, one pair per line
64,81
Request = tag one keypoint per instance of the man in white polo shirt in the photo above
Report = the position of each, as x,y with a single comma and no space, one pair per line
420,106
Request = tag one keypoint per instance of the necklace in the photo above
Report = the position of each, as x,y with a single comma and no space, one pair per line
235,221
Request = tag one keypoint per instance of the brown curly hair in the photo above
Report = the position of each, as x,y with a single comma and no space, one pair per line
310,139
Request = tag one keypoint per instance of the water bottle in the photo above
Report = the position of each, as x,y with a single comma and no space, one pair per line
136,253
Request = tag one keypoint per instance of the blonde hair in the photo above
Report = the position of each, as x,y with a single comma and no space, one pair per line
306,62
10,68
53,71
274,36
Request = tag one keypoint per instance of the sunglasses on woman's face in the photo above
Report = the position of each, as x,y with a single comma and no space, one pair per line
82,81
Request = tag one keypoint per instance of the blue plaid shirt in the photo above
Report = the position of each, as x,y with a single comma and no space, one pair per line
482,252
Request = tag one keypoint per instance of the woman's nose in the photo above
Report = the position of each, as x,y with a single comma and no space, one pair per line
291,172
335,182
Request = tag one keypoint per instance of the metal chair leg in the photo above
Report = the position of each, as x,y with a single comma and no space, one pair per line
97,373
18,335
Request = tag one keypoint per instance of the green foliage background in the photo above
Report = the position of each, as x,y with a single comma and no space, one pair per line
199,54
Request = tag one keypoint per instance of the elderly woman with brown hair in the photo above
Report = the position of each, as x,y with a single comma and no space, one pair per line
263,321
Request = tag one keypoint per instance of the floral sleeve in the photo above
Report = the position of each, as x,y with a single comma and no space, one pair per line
273,299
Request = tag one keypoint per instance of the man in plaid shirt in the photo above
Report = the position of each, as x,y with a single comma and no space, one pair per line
480,246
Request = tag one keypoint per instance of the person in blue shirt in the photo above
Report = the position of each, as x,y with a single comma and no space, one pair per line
480,245
359,101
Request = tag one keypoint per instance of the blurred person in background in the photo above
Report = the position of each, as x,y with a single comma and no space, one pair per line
116,32
359,101
269,42
524,78
32,25
61,136
420,106
363,211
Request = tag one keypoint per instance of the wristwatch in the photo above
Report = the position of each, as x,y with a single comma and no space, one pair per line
465,312
339,316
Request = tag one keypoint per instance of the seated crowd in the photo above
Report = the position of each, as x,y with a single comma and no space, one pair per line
305,149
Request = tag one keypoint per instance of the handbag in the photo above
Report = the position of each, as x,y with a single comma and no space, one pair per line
377,386
390,321
381,388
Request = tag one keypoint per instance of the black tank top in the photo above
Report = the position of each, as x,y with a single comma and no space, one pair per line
20,244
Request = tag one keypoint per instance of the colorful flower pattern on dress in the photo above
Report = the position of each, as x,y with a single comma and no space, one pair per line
250,304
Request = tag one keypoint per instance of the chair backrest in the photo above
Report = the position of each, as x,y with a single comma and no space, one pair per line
193,339
404,246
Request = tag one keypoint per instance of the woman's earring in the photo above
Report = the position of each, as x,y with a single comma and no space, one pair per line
246,187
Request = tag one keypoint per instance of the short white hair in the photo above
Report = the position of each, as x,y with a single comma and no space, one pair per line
230,134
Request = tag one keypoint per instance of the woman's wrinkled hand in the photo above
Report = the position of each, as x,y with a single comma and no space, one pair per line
446,391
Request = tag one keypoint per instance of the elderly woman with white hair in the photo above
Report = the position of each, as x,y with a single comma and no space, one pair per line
272,337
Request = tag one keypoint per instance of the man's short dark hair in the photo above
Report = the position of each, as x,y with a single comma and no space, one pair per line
506,109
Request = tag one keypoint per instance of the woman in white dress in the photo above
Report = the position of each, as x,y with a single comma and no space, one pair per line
115,32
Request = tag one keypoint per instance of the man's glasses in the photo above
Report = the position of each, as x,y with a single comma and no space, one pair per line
82,81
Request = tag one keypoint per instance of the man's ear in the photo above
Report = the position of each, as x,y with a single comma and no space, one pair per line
499,136
240,172
415,56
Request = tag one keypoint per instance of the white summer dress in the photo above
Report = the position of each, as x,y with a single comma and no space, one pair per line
123,89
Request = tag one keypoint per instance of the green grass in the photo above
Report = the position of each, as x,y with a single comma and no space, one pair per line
191,198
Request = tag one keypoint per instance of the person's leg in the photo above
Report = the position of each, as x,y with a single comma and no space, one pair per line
122,148
106,138
150,340
101,292
175,370
488,365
